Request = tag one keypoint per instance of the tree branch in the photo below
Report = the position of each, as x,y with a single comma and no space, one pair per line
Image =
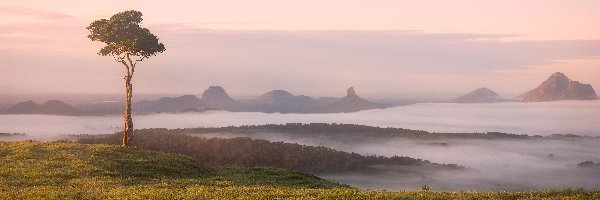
131,66
139,60
118,58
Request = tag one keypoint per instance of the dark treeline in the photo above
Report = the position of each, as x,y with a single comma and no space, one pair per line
250,152
12,134
354,130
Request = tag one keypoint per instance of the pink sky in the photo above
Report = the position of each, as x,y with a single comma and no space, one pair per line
44,48
535,19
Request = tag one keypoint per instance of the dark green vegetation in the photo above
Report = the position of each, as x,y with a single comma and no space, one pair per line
360,132
248,152
12,134
589,163
350,131
55,170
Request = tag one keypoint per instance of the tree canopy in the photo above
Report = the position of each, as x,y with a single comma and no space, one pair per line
123,35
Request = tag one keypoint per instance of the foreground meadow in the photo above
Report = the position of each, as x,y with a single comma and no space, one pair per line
65,170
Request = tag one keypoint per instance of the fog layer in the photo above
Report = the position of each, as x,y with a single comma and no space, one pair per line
498,164
492,164
565,117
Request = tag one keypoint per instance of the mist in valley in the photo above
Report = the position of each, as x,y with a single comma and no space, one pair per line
543,118
491,164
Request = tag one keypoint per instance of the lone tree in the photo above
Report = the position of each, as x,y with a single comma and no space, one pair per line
128,43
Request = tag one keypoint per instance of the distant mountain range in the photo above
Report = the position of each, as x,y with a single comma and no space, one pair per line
556,87
215,97
52,107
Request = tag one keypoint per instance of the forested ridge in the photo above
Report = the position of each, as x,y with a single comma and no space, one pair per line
324,129
253,152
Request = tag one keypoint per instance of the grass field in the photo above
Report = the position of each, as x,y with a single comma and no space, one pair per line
57,170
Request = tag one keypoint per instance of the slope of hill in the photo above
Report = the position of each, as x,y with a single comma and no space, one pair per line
480,95
170,104
246,152
74,171
52,107
560,87
34,170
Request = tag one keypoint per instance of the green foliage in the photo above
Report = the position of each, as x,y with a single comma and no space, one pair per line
248,152
54,170
351,132
123,35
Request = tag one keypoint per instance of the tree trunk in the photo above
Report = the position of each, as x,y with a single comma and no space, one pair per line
128,128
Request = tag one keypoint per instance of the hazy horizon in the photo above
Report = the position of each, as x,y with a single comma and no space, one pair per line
413,49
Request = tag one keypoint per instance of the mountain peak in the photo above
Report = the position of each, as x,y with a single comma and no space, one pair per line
352,103
480,95
214,91
276,95
351,92
217,97
559,87
558,75
485,91
54,107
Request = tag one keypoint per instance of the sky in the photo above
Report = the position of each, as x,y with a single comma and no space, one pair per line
385,49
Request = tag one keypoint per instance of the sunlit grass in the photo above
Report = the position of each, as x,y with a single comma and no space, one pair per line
54,170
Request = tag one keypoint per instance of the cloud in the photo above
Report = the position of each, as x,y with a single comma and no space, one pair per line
29,12
317,63
409,51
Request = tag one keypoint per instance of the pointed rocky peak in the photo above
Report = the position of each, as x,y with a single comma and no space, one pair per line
557,80
352,103
558,75
217,97
351,92
559,87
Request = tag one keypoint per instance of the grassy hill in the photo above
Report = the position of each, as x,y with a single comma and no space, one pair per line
56,170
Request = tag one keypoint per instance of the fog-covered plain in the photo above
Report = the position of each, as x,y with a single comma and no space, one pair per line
564,117
492,164
498,164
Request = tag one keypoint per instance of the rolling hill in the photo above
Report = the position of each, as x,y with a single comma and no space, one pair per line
58,170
